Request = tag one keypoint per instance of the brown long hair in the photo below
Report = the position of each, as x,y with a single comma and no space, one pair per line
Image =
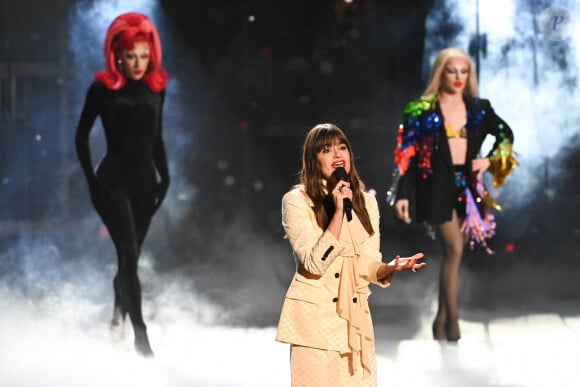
311,178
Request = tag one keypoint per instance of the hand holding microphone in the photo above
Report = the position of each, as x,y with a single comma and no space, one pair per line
340,174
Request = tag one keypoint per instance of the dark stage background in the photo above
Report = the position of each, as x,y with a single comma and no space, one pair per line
248,79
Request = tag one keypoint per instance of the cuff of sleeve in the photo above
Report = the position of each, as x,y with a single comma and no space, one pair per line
502,161
331,245
373,267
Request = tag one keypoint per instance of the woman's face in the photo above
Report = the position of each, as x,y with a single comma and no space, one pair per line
135,62
333,156
455,75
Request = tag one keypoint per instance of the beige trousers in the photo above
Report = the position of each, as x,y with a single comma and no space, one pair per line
312,367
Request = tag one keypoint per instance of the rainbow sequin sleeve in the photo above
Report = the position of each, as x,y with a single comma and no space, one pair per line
413,134
502,162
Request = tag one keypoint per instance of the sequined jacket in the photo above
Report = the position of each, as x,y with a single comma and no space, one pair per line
424,171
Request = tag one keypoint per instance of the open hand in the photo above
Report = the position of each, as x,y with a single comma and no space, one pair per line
406,263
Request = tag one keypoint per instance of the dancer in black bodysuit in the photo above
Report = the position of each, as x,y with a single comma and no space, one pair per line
131,181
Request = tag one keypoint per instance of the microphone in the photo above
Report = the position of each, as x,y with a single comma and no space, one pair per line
340,174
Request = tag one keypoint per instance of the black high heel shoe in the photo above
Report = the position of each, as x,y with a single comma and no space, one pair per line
439,333
142,343
452,330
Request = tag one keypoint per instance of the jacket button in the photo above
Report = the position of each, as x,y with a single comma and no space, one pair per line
354,300
336,275
335,299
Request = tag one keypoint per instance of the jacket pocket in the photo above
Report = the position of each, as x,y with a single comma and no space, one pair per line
303,289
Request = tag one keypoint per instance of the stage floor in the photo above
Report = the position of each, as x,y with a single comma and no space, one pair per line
530,350
520,328
42,347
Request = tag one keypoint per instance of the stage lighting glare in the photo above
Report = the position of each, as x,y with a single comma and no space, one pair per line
297,63
222,165
304,99
258,185
326,67
104,232
229,181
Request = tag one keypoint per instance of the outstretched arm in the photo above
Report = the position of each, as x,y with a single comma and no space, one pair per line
387,270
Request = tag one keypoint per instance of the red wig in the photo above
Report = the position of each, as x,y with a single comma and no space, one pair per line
122,34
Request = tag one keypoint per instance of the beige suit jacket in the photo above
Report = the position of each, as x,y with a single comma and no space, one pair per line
309,315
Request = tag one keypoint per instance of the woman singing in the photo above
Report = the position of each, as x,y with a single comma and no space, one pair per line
333,227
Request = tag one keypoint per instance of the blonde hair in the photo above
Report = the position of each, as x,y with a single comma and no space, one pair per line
435,76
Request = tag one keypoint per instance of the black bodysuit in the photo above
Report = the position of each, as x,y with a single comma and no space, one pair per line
130,182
